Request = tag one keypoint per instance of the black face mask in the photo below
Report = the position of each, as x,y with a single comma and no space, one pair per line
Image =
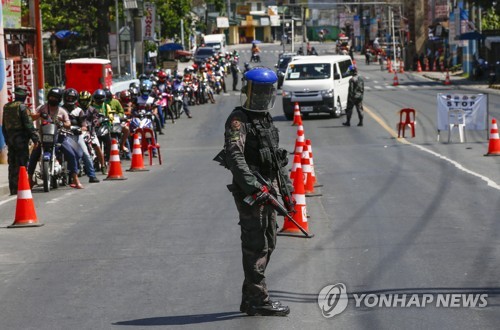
53,102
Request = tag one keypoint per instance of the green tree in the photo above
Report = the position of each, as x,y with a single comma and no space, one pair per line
90,18
490,20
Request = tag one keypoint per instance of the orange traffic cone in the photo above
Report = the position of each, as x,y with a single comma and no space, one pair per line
447,81
137,164
300,215
115,168
419,67
401,67
434,66
309,150
300,140
389,66
494,145
296,164
395,81
427,68
307,169
297,118
25,208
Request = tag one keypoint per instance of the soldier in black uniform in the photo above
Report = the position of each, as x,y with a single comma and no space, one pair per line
18,129
355,96
251,144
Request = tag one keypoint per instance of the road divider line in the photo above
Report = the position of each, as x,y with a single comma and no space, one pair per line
459,166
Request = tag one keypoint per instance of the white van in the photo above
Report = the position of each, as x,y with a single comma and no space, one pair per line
320,84
216,41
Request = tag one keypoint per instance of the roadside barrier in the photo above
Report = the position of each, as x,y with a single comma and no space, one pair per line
137,164
494,144
115,168
25,208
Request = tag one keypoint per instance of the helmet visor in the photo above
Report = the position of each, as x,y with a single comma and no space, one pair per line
258,97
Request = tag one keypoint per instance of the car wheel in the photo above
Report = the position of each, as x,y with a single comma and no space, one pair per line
337,112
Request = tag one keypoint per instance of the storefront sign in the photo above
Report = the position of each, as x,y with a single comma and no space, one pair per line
28,82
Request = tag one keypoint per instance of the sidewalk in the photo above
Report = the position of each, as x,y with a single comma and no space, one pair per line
457,79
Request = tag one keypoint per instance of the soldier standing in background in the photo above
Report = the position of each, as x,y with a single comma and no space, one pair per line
18,129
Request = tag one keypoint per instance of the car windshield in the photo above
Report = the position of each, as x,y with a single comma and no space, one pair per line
308,71
215,45
202,51
283,62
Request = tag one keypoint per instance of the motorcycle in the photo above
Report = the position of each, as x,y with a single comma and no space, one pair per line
218,83
206,92
52,164
177,104
255,57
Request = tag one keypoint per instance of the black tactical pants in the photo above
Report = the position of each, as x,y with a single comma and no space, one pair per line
258,240
18,156
359,109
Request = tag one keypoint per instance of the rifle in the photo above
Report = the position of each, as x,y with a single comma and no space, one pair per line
273,201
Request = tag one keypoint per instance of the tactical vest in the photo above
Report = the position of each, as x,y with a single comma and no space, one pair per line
261,144
11,116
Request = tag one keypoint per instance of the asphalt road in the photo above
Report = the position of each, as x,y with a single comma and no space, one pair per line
162,248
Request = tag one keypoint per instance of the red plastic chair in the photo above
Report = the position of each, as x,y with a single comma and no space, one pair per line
406,118
149,143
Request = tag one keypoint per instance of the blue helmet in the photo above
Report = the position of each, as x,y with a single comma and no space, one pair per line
352,68
146,87
259,93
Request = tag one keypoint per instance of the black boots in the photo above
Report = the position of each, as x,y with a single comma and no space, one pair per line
346,123
270,308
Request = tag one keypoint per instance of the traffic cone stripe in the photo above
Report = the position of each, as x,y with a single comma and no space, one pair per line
300,199
136,151
114,158
24,194
494,136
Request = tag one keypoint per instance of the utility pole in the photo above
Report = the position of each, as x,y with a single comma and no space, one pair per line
117,38
39,51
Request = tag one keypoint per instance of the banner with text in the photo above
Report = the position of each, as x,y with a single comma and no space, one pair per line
475,107
29,82
148,21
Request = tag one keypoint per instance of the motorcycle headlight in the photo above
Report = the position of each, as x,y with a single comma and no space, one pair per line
327,92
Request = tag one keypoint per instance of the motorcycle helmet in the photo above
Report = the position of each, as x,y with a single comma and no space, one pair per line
84,99
143,77
259,93
162,76
55,95
99,96
109,95
125,96
134,84
146,87
70,97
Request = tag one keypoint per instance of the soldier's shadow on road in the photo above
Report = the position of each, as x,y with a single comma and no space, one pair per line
183,319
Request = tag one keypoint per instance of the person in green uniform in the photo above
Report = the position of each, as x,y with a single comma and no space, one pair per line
18,130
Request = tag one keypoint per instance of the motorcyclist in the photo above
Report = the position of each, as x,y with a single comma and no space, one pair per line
92,117
98,102
117,109
79,127
255,52
146,101
56,114
179,85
